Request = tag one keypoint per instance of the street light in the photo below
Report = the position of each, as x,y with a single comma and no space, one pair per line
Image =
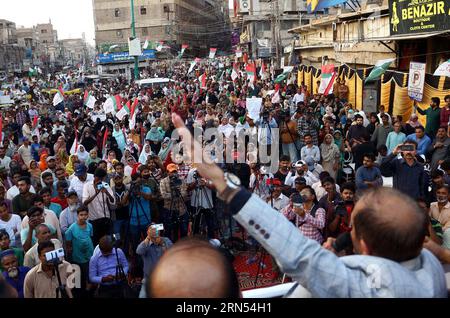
133,31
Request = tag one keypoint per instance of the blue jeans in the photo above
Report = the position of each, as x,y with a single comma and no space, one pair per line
119,226
291,150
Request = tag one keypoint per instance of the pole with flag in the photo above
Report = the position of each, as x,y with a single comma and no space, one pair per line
212,53
105,138
133,113
74,148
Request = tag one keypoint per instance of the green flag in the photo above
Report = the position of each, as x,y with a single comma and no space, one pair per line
380,67
286,71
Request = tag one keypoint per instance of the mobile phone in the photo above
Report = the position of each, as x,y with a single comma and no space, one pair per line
407,147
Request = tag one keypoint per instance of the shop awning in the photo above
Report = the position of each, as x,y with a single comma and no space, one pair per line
407,36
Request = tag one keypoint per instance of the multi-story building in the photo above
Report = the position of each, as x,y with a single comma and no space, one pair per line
74,51
11,54
199,23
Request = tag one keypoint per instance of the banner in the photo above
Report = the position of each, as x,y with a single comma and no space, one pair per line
327,79
254,107
123,57
412,16
238,53
316,5
443,69
416,81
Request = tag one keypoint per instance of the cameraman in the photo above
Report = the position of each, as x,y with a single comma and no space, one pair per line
289,137
174,192
139,206
201,201
339,221
258,181
265,126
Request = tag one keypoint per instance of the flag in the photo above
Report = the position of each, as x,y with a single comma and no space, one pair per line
112,104
32,72
262,71
286,71
245,58
443,69
327,79
380,67
183,48
193,63
159,47
89,100
234,72
145,44
125,110
133,113
202,80
235,7
59,96
35,127
74,148
238,53
251,72
212,53
105,138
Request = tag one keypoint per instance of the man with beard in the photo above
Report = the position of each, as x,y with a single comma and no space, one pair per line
439,149
22,202
12,272
81,177
409,175
357,132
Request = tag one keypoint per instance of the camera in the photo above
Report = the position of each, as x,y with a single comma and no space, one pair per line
175,181
55,255
407,147
265,115
135,188
102,185
340,208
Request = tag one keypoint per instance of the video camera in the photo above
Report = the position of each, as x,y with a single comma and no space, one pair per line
341,207
55,256
175,181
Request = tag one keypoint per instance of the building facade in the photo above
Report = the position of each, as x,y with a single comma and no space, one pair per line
199,23
11,54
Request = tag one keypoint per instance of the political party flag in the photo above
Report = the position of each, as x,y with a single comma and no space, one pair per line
262,71
380,67
443,69
35,127
113,104
202,80
74,148
251,72
238,53
32,72
105,138
212,53
183,48
327,79
234,72
133,113
286,71
59,96
125,110
89,100
145,44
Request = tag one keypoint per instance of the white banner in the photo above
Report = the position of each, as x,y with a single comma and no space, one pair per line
254,107
443,69
416,80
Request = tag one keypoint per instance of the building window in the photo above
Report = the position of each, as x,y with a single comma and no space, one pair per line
144,31
44,41
43,31
143,10
117,13
119,34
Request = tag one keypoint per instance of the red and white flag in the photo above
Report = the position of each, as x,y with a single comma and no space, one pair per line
59,96
105,138
212,53
74,148
202,80
113,104
133,113
35,128
89,100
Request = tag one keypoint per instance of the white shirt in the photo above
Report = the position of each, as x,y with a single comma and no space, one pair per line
14,190
127,171
67,218
25,153
5,163
298,98
77,185
98,208
290,179
13,225
31,258
49,218
280,202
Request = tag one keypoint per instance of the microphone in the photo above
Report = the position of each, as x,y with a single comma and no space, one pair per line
342,242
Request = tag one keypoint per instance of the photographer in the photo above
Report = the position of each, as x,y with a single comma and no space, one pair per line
258,181
265,125
174,192
139,197
99,198
201,202
340,220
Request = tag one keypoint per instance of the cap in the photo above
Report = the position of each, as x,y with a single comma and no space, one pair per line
50,158
300,180
6,253
172,167
299,164
80,170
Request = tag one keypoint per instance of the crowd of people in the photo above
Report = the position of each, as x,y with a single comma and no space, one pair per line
105,184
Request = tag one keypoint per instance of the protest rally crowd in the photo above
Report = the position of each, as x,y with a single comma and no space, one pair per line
95,173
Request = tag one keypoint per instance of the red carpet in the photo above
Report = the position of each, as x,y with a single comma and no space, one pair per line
247,272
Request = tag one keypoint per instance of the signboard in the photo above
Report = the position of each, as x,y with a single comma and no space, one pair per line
416,81
418,16
134,47
264,52
244,5
123,57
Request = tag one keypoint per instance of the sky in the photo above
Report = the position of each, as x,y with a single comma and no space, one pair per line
69,17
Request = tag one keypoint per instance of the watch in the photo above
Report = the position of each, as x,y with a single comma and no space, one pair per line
233,184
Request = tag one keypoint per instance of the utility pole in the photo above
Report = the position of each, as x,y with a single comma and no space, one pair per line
276,31
133,32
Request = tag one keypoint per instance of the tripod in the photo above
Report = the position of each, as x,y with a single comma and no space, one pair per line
262,251
173,222
61,289
199,217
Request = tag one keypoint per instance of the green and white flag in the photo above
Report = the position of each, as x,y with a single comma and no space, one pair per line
286,71
32,72
380,67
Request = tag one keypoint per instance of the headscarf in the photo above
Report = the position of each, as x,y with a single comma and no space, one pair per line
59,144
89,160
145,154
36,172
82,155
165,151
62,156
70,169
329,151
412,123
43,162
